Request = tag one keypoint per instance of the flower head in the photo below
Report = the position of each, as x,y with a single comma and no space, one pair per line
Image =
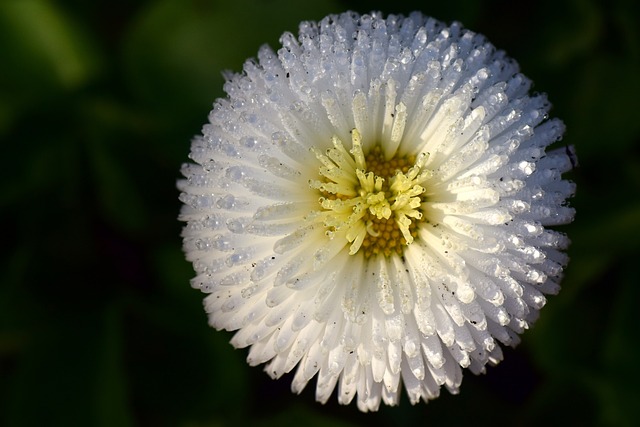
369,206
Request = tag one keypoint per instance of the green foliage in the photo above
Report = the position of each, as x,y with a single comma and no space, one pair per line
98,324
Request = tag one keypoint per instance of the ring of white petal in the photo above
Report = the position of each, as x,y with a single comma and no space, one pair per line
373,202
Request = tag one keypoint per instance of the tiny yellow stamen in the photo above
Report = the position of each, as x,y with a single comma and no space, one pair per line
374,202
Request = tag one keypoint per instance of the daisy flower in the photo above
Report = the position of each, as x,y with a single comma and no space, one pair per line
370,205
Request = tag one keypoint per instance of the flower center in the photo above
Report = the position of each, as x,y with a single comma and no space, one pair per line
374,202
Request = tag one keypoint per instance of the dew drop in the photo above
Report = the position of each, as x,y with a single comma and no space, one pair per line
203,244
227,202
248,291
526,167
228,306
236,225
410,348
249,142
235,173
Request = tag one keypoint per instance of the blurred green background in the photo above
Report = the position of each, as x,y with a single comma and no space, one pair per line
98,323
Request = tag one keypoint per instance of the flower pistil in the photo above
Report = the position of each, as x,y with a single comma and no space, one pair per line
373,202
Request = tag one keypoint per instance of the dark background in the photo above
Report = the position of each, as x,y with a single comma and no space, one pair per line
98,323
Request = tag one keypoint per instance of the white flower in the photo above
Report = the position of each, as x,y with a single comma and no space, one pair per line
369,206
